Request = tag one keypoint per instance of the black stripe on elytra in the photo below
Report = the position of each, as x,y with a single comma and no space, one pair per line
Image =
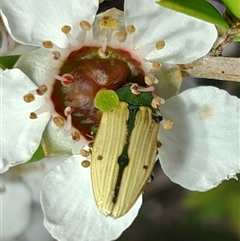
123,159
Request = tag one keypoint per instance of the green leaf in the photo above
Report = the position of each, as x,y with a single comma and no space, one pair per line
7,62
221,203
233,6
236,38
38,155
197,8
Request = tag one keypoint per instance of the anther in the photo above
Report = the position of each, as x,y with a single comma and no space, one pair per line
161,99
84,153
33,115
149,79
156,102
86,163
85,25
130,29
168,124
103,55
160,45
56,55
159,144
42,90
29,98
66,29
59,121
47,44
121,36
68,111
76,136
69,79
156,65
134,89
66,79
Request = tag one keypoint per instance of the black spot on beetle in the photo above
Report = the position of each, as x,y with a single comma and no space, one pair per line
99,157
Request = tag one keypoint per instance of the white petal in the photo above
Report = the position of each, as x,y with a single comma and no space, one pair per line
4,48
170,81
15,209
20,49
186,38
9,47
35,173
69,206
202,148
20,135
36,65
57,141
32,22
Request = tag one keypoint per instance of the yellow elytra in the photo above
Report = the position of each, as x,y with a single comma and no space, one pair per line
123,158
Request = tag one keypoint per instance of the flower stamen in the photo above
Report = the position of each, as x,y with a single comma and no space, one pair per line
160,45
46,107
33,115
66,79
66,29
121,36
29,97
42,90
48,44
156,102
168,124
76,136
85,25
86,163
156,65
103,53
130,29
84,153
79,145
56,55
136,89
86,35
56,60
59,121
67,112
159,144
149,79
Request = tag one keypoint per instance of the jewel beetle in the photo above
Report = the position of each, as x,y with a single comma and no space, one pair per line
124,152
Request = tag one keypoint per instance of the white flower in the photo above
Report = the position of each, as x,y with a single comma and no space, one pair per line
20,190
198,152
